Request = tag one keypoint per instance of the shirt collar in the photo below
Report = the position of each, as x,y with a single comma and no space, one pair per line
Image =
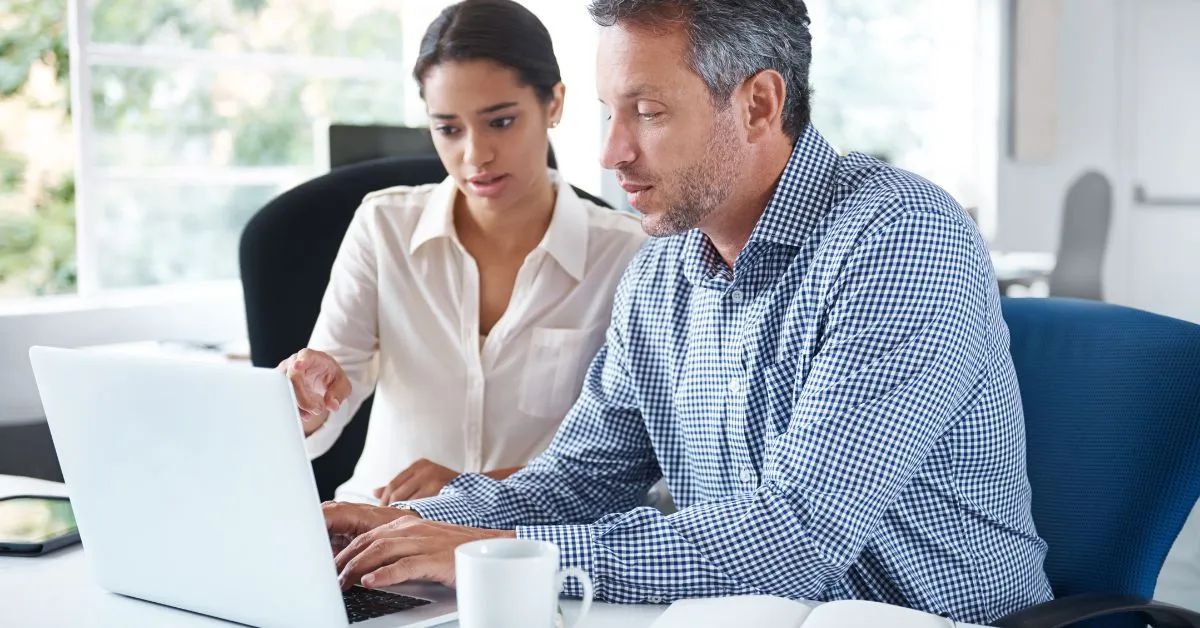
803,195
801,198
437,218
566,238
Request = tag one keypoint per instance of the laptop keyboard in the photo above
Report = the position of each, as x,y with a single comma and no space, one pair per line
363,604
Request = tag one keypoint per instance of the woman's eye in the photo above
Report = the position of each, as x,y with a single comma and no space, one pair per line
503,123
446,130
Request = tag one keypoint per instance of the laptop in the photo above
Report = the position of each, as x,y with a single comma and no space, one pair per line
191,488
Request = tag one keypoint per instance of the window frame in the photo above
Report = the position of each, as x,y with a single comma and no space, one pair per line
204,311
85,55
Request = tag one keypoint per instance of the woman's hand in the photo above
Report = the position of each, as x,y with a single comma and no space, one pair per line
421,479
320,385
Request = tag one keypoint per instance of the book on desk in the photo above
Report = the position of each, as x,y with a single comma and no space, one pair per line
766,610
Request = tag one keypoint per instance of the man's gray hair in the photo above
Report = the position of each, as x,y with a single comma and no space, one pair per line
731,40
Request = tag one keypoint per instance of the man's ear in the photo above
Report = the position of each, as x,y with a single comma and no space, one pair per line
763,96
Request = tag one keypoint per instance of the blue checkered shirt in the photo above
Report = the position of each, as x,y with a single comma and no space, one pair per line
837,417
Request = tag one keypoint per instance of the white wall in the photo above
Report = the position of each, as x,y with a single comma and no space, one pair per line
213,314
1153,259
1030,195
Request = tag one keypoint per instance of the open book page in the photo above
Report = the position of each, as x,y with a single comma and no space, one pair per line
765,610
859,613
741,610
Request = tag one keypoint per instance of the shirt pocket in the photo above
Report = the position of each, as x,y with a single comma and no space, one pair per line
778,383
554,370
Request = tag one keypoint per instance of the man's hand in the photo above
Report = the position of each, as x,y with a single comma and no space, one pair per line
345,521
421,479
404,549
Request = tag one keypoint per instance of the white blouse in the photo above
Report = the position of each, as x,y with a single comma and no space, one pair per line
401,315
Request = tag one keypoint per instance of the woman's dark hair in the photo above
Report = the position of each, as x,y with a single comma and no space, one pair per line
497,30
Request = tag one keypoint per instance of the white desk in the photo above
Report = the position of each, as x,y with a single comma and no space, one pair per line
1027,269
57,590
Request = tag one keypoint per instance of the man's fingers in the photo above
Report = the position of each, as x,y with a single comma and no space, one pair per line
395,529
340,519
356,547
332,512
379,553
338,542
406,569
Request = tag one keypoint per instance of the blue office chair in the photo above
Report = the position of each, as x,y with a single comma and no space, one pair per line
1112,421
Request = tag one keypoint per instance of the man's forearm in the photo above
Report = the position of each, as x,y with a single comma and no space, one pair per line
538,494
637,557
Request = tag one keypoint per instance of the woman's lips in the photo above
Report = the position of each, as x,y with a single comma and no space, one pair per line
488,186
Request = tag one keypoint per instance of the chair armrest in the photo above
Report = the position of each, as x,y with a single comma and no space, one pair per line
1075,608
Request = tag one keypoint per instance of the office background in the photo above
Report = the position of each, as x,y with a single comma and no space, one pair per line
138,137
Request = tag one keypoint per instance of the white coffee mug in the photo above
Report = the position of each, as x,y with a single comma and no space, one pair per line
512,583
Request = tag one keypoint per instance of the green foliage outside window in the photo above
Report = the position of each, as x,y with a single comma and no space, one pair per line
191,119
37,245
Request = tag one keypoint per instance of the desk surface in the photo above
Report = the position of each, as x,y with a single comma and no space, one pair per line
57,590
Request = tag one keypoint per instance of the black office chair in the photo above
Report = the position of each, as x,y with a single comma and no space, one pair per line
354,143
286,252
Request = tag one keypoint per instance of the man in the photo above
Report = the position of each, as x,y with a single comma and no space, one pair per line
812,354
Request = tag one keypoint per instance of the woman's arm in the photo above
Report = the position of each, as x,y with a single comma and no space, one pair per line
347,328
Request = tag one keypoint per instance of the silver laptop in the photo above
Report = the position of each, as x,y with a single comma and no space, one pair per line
191,488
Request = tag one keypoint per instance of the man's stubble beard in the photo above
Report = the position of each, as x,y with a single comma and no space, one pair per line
702,186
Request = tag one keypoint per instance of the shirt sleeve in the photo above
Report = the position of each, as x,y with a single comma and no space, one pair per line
600,461
348,326
905,344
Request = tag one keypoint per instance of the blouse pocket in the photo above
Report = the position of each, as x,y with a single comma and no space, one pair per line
554,371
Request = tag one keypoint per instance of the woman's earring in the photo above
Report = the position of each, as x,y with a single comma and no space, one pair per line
554,124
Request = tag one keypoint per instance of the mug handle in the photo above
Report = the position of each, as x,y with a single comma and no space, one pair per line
583,579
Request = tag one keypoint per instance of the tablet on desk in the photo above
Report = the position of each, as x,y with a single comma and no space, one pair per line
32,525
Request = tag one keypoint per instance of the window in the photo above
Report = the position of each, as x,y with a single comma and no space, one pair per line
187,116
198,113
915,83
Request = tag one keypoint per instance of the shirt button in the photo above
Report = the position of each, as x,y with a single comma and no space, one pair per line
654,599
737,296
735,385
747,475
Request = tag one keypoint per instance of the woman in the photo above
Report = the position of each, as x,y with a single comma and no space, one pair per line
471,307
